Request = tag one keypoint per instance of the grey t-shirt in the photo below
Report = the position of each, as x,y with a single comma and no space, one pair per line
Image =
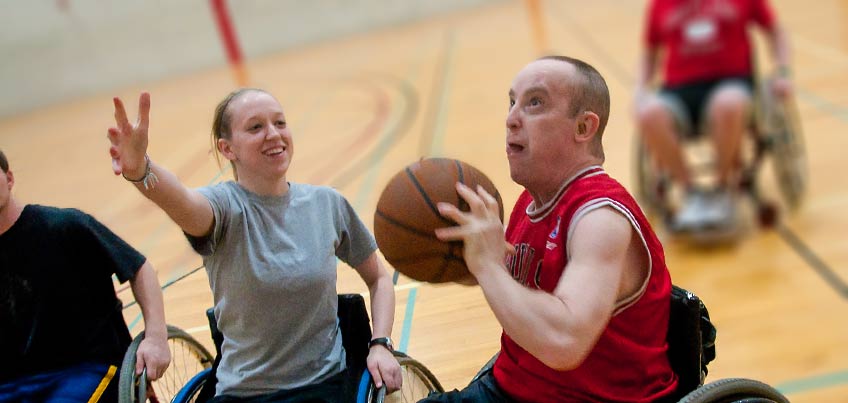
271,262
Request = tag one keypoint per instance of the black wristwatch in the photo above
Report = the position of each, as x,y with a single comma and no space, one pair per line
383,341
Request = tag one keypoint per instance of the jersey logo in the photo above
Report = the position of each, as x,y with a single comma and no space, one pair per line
555,232
550,245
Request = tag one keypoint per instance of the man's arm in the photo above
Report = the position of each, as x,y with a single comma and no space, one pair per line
153,352
561,329
646,70
779,44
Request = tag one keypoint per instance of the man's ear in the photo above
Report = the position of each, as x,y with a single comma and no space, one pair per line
587,126
226,149
10,177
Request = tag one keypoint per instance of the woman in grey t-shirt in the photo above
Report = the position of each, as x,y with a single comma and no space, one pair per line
270,249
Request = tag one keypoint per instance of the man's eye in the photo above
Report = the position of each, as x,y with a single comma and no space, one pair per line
535,102
281,123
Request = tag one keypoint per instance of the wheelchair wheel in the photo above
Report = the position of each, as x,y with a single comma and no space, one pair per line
651,187
418,383
734,390
786,142
191,391
188,358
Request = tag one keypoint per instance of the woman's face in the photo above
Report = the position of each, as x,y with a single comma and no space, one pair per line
261,142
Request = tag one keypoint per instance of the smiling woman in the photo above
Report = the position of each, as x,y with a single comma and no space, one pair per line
267,243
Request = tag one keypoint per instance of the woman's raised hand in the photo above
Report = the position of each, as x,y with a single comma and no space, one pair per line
129,141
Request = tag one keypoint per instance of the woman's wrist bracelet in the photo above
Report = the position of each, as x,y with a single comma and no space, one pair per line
149,180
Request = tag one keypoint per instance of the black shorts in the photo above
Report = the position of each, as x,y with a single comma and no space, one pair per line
688,102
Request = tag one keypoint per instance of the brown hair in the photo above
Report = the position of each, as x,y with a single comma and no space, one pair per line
4,163
590,94
222,123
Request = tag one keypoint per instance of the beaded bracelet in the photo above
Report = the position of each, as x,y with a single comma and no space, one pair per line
149,180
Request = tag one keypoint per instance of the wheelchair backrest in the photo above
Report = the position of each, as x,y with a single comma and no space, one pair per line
691,339
355,327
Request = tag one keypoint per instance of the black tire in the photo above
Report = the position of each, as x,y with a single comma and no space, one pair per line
188,357
734,390
418,383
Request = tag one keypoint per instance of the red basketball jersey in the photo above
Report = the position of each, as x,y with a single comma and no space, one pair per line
705,40
629,362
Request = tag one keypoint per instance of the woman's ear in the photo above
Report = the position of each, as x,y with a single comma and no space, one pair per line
226,149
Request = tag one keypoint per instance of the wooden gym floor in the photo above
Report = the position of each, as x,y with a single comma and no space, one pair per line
364,106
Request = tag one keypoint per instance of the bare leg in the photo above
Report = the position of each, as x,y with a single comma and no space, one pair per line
728,113
659,133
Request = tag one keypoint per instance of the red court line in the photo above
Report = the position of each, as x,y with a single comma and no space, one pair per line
227,32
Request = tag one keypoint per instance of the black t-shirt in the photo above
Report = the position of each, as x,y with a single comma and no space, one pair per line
58,305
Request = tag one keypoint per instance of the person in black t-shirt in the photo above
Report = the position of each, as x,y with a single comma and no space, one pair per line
63,333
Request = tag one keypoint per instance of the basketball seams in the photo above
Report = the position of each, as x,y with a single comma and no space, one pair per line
425,196
460,173
405,226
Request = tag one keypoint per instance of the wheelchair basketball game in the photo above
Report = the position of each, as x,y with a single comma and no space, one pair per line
371,87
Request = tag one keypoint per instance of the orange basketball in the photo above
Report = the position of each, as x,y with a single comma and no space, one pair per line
407,217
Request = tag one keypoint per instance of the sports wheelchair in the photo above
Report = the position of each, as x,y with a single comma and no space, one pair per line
691,346
774,136
191,376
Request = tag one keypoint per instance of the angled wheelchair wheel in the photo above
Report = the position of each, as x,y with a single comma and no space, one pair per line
418,383
188,358
651,187
735,390
191,390
786,142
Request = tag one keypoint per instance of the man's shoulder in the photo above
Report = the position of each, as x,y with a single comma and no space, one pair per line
54,215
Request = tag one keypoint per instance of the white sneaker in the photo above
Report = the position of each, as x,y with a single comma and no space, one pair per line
691,215
719,210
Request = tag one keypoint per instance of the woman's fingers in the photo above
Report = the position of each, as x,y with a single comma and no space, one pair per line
121,116
143,111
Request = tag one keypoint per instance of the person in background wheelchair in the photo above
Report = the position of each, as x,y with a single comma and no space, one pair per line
62,330
707,85
270,248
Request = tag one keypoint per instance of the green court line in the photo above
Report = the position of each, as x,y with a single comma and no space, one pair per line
814,383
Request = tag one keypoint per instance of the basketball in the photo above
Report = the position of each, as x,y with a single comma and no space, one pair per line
407,217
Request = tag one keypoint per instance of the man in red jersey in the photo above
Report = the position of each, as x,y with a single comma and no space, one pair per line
583,297
707,83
